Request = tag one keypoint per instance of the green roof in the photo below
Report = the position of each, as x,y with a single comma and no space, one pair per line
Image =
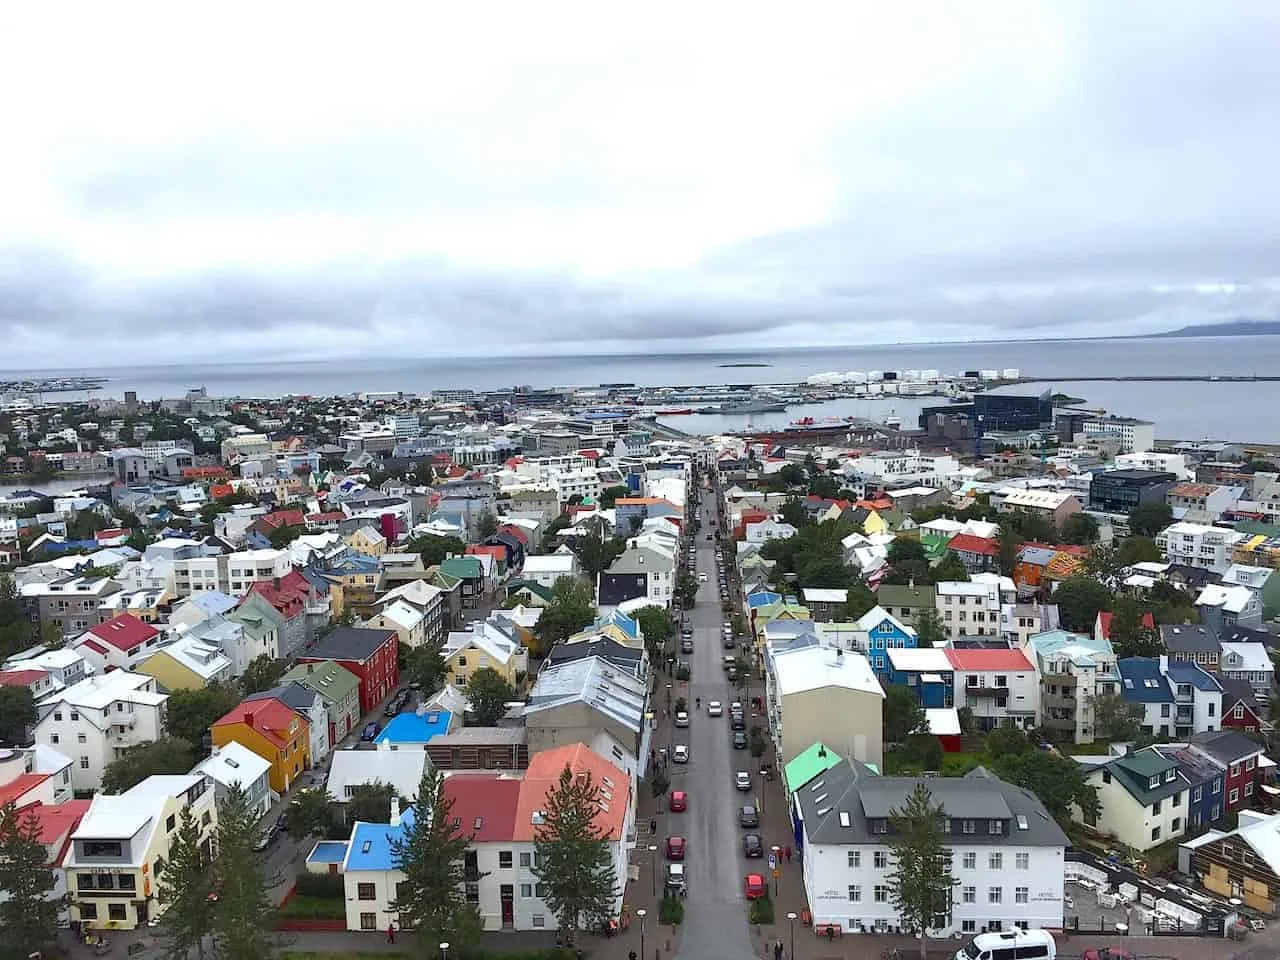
331,680
464,568
904,595
537,589
818,759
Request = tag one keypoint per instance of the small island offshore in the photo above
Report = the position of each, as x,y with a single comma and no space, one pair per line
733,365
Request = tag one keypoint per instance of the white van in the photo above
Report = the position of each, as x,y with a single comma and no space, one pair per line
1010,945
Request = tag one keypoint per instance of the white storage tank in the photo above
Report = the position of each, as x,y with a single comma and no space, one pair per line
988,374
855,376
875,375
929,375
1010,373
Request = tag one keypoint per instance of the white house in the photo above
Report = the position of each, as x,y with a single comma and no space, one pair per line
119,644
96,720
545,569
409,623
401,769
969,608
1006,851
1143,799
997,685
771,529
65,667
231,765
807,686
659,569
1251,662
1196,545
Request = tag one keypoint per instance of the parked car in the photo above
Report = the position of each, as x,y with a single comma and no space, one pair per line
752,845
680,754
675,879
267,837
686,645
739,740
682,718
715,709
371,730
755,886
675,848
749,817
728,642
737,723
742,780
702,578
678,802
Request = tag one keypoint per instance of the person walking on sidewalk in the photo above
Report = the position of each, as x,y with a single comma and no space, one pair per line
391,933
787,853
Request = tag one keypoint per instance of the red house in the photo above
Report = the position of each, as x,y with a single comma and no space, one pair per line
370,654
1240,706
120,643
1241,756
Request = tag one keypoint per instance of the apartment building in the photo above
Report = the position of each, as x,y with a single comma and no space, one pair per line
1203,499
969,608
999,686
118,852
1135,436
232,573
70,604
1197,545
1073,669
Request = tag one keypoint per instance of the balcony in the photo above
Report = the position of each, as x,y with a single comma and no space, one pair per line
996,693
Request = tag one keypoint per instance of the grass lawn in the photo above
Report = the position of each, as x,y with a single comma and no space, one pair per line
953,764
296,955
314,908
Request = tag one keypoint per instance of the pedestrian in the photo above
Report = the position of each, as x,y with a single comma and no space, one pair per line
391,933
831,932
787,853
653,825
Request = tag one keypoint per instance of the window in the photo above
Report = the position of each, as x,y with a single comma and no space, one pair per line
526,891
1248,764
970,861
1022,861
855,859
75,715
1217,789
540,890
117,911
365,891
1234,796
462,659
1197,794
1176,825
54,737
969,894
1248,789
206,818
881,859
968,926
967,826
88,911
1155,809
539,920
993,827
504,859
1155,833
170,823
995,894
881,893
855,893
525,859
995,861
1020,895
368,921
1238,712
84,762
57,716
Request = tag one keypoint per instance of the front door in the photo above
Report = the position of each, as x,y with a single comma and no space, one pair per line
508,895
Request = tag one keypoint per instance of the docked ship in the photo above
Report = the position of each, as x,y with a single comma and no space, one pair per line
749,406
675,413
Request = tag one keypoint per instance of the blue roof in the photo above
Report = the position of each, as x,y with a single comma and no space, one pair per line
628,625
214,601
370,844
415,728
1197,676
1142,681
353,563
328,851
762,598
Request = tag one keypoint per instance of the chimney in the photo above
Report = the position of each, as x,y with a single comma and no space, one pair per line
275,582
248,717
395,811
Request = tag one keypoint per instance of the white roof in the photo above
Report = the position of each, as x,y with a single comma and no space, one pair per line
964,588
549,563
943,722
815,668
402,769
101,690
820,595
1253,657
1264,837
932,659
486,638
402,614
1231,599
233,763
1038,499
114,816
201,656
418,592
943,525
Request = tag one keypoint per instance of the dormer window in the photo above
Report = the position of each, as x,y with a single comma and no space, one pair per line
968,826
1153,783
1170,776
994,827
880,826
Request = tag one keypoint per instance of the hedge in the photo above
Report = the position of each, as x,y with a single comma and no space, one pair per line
325,886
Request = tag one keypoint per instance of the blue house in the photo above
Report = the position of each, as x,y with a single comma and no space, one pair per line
883,631
926,671
413,731
1144,685
1206,802
762,598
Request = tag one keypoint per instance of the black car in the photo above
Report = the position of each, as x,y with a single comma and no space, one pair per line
739,740
737,723
749,817
752,845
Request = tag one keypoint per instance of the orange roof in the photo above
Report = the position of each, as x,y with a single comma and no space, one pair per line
20,786
20,678
269,717
637,501
544,773
220,490
988,659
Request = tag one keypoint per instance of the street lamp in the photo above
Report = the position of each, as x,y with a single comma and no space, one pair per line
792,917
642,913
444,950
653,870
1122,929
774,867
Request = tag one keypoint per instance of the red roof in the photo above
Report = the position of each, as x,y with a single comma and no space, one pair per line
95,647
288,594
479,549
484,805
516,532
220,490
333,516
58,819
1104,624
544,772
284,518
590,454
124,632
968,543
978,660
114,533
269,716
20,786
20,678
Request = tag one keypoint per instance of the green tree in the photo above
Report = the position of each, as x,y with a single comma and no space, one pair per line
824,573
15,628
190,713
1007,740
1080,599
486,525
859,601
920,880
907,563
168,755
596,552
686,589
262,673
1136,549
185,887
658,626
1081,528
571,609
902,713
929,629
1148,519
609,496
310,813
17,713
1010,545
425,666
794,513
950,569
1056,780
1129,635
28,912
1115,718
430,853
1104,564
244,915
434,550
489,694
573,859
370,802
284,535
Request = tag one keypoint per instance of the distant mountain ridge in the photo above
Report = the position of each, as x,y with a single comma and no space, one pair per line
1236,328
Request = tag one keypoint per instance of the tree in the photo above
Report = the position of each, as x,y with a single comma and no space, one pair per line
310,814
185,888
261,673
573,859
1104,564
1079,600
794,513
489,694
1009,547
921,880
687,589
370,802
950,569
28,912
486,525
430,852
571,608
596,552
1135,549
168,755
609,496
1148,519
658,626
824,573
1115,718
903,714
1129,634
284,535
244,915
190,713
434,550
929,629
907,563
1007,740
1081,528
425,666
17,713
859,601
1056,780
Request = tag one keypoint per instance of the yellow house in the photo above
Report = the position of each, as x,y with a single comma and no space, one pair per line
486,644
778,610
188,663
367,540
274,731
874,523
117,854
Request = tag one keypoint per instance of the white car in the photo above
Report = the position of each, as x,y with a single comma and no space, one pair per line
715,709
680,754
742,780
682,718
702,578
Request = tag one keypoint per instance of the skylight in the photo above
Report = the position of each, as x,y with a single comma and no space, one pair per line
366,846
1022,822
844,818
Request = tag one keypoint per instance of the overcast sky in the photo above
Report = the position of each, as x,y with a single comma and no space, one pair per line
476,178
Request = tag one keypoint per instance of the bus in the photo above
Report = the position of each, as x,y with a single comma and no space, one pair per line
1010,945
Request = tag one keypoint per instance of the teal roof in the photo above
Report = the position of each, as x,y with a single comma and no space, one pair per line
818,759
464,568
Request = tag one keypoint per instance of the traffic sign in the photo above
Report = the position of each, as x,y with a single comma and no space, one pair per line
773,862
777,874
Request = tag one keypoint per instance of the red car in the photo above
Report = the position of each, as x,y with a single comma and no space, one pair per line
756,886
675,848
679,801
